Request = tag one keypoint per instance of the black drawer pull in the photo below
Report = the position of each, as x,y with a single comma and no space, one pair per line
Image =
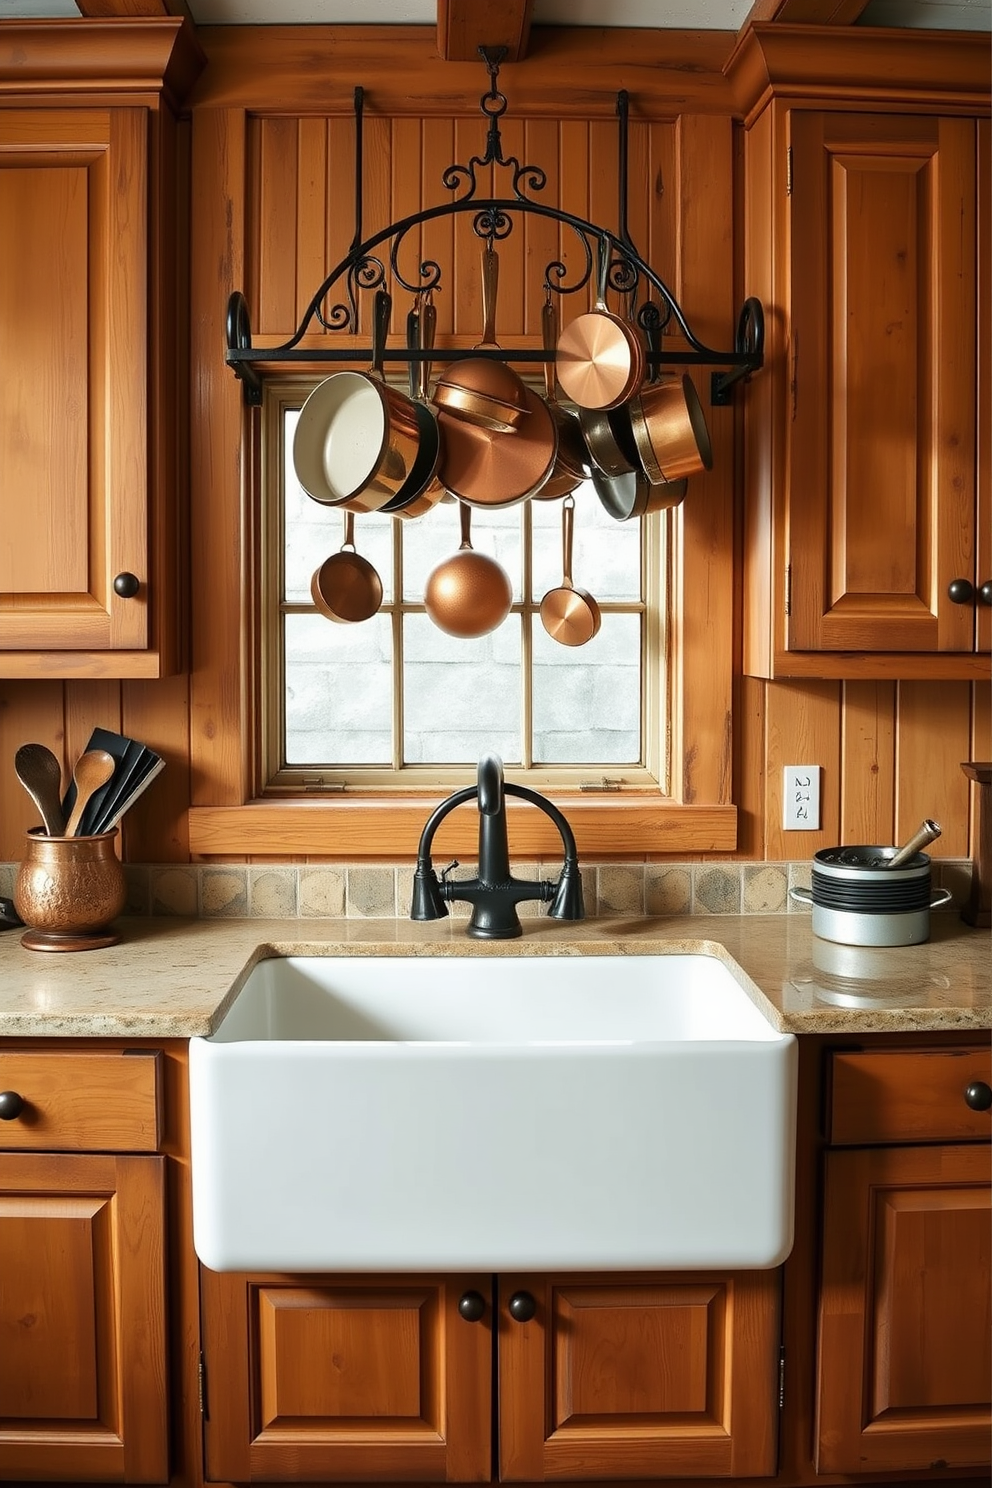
11,1105
978,1096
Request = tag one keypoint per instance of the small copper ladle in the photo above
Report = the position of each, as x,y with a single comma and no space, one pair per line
569,615
469,594
346,587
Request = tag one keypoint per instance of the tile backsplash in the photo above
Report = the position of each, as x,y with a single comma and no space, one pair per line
383,890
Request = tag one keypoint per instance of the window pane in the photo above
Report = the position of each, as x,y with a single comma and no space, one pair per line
339,708
461,697
587,699
606,554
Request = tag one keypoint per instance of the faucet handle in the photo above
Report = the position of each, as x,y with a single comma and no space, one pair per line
446,871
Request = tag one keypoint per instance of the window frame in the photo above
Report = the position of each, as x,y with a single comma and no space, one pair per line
227,817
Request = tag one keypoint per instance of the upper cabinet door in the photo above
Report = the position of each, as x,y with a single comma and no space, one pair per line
882,348
74,348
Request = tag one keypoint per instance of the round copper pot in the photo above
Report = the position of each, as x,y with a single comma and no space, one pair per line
669,429
68,890
346,588
469,594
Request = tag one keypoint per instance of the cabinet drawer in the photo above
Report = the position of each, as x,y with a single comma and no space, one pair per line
900,1096
82,1102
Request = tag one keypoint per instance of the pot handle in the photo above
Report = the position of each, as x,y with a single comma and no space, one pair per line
803,896
940,897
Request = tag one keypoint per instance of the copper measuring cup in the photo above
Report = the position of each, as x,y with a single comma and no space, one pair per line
346,588
569,615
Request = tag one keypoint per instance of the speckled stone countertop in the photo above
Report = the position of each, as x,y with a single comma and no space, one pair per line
173,978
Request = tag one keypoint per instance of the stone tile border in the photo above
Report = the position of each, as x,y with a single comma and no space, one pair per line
382,890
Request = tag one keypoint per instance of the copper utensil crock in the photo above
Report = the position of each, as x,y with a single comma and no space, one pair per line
68,890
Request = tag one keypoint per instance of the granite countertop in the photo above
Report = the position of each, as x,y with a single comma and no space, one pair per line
174,978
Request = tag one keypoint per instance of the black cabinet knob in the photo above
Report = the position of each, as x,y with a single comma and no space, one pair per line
11,1105
961,591
978,1096
472,1306
521,1307
985,592
126,585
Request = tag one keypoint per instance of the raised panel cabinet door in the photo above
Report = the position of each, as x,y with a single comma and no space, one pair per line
640,1376
74,348
881,432
82,1319
904,1378
363,1378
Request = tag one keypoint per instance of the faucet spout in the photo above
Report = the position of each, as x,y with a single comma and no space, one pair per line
494,894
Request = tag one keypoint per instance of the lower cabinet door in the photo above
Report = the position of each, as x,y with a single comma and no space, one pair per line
321,1378
82,1319
904,1369
638,1376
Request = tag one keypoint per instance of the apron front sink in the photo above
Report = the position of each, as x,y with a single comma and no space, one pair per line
368,1113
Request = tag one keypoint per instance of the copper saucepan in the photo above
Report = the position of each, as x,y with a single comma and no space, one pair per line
484,390
357,438
568,614
469,594
628,493
600,358
346,587
670,430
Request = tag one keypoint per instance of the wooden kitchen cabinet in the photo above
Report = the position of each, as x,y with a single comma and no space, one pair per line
83,1376
370,1378
904,1374
91,427
866,493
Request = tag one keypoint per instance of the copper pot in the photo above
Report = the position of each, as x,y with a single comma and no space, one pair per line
68,890
469,594
573,462
484,390
346,587
601,358
357,438
670,431
422,488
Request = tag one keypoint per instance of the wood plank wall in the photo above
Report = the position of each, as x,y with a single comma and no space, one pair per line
890,751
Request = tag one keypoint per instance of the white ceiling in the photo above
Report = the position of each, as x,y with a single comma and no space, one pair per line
689,15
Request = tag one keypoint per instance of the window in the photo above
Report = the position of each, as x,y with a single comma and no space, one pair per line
395,704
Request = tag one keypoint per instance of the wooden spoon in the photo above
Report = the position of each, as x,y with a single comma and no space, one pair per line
93,769
41,776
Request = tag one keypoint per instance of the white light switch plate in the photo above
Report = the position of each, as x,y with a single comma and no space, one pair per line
801,798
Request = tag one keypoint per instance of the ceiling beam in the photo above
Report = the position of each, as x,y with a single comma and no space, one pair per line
129,10
465,25
807,12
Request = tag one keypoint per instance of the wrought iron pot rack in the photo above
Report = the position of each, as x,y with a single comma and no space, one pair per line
363,269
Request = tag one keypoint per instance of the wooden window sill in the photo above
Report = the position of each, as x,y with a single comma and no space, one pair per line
363,827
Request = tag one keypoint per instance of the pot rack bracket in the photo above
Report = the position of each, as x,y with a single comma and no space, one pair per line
364,269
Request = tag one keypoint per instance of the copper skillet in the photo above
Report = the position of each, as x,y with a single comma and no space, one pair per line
600,357
483,467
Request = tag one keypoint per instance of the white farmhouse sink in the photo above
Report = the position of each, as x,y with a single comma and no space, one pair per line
493,1112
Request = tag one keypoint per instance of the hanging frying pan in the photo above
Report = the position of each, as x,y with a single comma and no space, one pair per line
469,594
484,390
346,588
357,438
485,468
600,358
569,615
